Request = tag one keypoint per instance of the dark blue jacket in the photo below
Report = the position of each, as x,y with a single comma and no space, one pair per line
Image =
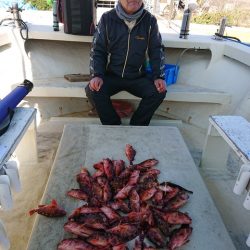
118,50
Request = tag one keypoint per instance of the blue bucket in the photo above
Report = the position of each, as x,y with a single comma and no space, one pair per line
171,73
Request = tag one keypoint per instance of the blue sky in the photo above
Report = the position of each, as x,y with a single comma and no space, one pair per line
4,4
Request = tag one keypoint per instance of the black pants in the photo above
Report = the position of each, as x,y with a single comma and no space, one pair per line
143,87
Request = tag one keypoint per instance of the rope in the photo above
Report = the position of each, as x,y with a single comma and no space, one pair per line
23,27
232,39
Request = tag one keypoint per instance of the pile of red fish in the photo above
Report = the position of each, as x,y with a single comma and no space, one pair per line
125,203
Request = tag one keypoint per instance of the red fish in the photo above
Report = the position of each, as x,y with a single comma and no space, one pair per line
94,222
179,237
101,241
169,191
180,187
101,180
73,244
78,229
134,177
124,230
97,191
84,210
85,180
119,166
147,219
130,153
161,224
125,202
158,198
151,173
108,168
177,202
110,213
98,173
146,164
148,194
78,194
149,183
120,247
176,217
154,234
107,194
134,200
99,166
84,172
51,210
120,205
125,173
167,186
124,192
133,217
89,210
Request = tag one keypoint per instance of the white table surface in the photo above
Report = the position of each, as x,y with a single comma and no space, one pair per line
85,145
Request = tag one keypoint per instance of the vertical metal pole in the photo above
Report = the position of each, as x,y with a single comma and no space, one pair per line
185,24
222,26
16,14
55,19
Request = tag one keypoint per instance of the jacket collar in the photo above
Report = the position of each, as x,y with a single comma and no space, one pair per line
115,17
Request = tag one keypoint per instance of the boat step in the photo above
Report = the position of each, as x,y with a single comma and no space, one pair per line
56,124
227,131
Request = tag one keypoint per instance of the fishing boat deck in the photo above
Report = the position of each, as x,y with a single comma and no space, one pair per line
217,67
83,145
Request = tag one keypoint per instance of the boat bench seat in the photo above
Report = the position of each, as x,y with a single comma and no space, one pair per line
60,87
225,132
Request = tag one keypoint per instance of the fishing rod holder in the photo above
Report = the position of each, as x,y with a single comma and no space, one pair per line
219,35
184,32
185,24
15,10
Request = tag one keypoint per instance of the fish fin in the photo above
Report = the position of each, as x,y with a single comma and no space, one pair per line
41,206
54,203
32,211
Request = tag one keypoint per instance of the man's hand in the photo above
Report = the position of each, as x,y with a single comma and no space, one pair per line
95,83
160,85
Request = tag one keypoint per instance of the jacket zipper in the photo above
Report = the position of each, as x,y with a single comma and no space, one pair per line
128,47
126,54
140,69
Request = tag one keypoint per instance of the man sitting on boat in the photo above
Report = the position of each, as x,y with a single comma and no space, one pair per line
117,62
